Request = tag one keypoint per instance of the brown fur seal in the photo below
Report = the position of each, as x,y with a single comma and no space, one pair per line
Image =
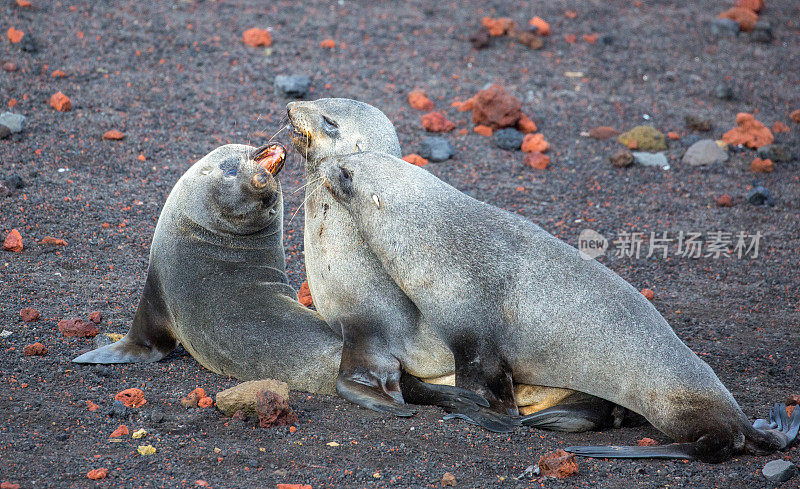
217,284
352,290
516,304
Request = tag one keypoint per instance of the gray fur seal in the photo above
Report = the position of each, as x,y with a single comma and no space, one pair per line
216,282
514,303
352,291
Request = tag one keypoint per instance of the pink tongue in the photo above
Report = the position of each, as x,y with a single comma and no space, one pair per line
271,158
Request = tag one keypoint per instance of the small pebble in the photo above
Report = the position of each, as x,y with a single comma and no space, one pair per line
14,122
723,91
762,32
622,158
759,195
724,28
650,159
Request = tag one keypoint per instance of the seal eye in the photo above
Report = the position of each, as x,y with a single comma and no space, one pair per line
329,126
346,175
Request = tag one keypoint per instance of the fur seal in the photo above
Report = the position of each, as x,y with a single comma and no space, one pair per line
217,284
352,291
516,304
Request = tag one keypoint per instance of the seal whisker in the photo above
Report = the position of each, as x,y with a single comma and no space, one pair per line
307,184
283,128
308,195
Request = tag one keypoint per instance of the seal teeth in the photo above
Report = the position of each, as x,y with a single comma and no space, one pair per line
271,158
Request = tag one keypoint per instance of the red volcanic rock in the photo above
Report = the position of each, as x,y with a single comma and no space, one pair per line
415,159
60,102
294,486
748,132
724,200
537,160
96,317
603,132
467,105
49,240
499,26
132,398
795,116
780,127
437,122
10,66
558,464
673,135
92,406
420,101
745,17
754,5
648,294
8,485
97,474
14,35
205,402
570,38
114,135
328,44
121,431
591,38
13,242
58,74
525,125
496,108
534,143
304,295
483,130
647,442
29,314
762,166
256,37
273,410
78,328
542,27
194,398
35,349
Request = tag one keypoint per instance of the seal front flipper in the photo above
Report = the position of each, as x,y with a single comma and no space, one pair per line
576,413
371,381
416,391
149,338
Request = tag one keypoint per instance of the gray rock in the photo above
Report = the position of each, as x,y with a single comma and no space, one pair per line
435,148
724,28
696,123
762,32
759,195
14,122
4,132
508,138
779,470
704,152
775,152
293,86
5,191
723,91
622,158
650,159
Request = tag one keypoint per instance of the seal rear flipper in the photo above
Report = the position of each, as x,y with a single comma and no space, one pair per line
371,380
416,391
674,450
780,428
367,394
576,413
149,339
483,417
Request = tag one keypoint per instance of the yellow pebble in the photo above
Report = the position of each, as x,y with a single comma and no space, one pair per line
146,449
333,444
139,433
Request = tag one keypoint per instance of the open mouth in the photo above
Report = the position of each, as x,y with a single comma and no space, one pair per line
271,158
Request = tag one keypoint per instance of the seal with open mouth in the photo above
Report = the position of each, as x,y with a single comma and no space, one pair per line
216,282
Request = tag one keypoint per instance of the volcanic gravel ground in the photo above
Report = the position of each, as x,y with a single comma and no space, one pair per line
176,78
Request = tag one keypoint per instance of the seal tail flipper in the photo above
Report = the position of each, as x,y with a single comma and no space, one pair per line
674,450
576,413
778,433
150,337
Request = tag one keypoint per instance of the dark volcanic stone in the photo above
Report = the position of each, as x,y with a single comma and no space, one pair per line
4,132
762,32
759,195
481,38
292,86
690,139
698,123
724,28
28,44
508,138
118,410
622,158
775,152
436,148
15,181
723,91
